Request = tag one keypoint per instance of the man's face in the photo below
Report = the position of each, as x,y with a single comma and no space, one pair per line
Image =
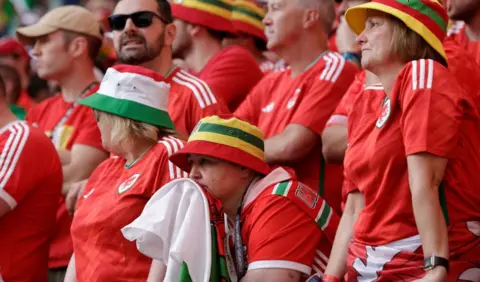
283,23
463,10
183,41
52,56
137,45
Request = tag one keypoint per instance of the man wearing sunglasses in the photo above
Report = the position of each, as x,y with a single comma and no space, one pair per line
143,34
232,71
65,43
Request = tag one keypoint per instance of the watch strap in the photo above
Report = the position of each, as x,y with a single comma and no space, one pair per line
433,261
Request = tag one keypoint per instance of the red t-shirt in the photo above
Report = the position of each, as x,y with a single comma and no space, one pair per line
79,128
190,100
457,33
309,100
114,197
288,225
427,111
231,74
31,183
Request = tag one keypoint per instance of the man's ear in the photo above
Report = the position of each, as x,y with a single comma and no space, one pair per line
310,16
170,34
78,46
194,30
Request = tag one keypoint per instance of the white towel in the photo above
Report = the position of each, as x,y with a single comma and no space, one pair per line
174,228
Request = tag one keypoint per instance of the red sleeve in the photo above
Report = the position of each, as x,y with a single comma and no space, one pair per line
431,102
27,161
233,76
321,99
88,132
281,235
197,113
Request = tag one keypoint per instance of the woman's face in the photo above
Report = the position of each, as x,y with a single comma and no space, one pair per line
221,178
376,41
105,131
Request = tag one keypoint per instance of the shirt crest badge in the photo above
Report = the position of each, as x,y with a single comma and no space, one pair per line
386,109
125,186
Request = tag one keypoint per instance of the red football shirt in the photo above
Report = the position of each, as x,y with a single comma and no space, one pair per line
457,33
31,183
288,225
190,100
231,74
427,111
25,101
114,197
308,99
79,127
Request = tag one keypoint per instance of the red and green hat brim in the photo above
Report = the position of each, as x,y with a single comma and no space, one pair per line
428,21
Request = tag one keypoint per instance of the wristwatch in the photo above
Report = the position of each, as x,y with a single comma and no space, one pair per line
433,261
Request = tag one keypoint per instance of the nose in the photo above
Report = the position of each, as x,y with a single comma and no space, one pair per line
361,38
267,20
36,49
129,26
194,173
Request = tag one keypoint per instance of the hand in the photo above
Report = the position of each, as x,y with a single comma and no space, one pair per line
438,274
75,191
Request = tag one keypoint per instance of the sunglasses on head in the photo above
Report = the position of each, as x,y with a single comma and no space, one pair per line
139,19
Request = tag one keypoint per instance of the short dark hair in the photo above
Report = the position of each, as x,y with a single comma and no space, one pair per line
165,10
94,44
9,73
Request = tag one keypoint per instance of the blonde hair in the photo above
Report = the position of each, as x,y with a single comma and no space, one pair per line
125,129
407,45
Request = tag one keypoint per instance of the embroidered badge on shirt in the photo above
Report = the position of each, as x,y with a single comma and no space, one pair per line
385,112
128,183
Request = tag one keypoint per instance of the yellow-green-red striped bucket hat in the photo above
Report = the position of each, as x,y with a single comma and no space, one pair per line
229,139
427,18
213,14
247,17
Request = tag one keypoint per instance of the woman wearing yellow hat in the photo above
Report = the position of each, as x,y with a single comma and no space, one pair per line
282,230
412,206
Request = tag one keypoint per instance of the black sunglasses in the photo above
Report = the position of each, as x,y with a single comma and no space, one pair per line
139,19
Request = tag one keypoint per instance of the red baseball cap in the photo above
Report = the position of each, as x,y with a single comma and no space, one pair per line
10,46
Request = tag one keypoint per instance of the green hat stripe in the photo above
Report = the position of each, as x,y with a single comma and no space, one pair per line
128,109
248,13
427,11
217,3
231,132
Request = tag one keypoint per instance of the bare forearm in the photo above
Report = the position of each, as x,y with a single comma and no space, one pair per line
283,148
157,272
334,144
430,222
337,263
72,173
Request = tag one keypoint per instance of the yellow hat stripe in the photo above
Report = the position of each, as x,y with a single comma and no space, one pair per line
249,6
248,19
228,141
209,8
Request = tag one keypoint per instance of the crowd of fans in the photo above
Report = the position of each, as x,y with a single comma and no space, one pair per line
240,140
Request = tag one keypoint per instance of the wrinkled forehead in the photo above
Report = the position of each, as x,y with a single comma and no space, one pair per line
132,6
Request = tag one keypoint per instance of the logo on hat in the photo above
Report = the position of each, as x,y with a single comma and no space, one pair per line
385,112
125,186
